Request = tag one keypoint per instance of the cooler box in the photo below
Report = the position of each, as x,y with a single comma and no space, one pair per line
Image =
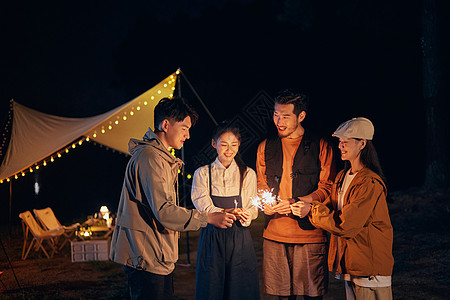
90,250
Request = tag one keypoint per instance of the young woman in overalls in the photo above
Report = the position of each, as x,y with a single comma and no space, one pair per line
226,260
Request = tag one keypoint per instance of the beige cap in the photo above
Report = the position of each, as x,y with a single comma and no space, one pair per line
359,128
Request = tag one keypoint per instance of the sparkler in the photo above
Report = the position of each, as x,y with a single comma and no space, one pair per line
264,197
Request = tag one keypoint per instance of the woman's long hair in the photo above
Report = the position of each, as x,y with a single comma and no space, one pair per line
226,127
369,158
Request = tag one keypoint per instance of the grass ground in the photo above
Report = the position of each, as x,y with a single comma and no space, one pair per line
421,251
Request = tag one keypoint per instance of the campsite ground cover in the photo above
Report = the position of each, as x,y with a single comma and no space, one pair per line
421,251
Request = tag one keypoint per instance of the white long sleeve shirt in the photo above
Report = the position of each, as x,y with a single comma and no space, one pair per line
225,182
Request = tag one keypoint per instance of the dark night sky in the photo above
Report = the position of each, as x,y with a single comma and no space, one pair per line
74,59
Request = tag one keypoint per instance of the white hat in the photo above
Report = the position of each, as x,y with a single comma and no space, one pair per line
359,128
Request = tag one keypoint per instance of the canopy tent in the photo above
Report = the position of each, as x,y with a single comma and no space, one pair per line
38,138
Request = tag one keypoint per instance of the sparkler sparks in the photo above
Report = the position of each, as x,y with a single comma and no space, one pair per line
264,197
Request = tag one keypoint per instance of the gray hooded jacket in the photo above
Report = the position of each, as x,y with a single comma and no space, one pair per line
148,217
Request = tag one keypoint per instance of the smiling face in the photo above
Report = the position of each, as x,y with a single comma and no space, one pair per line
227,146
288,124
351,149
176,133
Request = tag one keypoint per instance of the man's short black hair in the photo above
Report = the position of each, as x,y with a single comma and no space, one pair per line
293,96
174,110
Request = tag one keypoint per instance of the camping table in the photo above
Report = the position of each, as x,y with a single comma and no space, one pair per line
101,231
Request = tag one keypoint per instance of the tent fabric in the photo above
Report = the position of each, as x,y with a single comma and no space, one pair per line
37,136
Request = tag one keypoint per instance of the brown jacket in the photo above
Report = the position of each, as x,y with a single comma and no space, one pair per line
363,226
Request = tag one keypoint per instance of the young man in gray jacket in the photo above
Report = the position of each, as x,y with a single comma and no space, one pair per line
145,239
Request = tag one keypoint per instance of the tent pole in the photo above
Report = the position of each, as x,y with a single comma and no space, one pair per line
199,99
10,205
183,182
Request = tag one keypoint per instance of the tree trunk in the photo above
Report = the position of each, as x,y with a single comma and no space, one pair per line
436,173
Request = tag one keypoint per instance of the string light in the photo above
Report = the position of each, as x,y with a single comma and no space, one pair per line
169,82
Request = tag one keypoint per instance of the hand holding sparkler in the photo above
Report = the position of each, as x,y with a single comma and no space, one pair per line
282,207
221,219
301,208
242,214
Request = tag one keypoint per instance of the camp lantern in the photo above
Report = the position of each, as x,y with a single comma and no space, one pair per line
104,212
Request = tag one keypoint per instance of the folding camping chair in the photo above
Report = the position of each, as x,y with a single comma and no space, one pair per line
48,220
40,235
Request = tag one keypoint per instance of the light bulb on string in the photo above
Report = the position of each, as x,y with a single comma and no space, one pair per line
116,122
59,154
124,118
94,135
145,102
52,159
109,127
131,113
44,163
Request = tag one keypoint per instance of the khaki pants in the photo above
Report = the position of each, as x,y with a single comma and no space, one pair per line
356,292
